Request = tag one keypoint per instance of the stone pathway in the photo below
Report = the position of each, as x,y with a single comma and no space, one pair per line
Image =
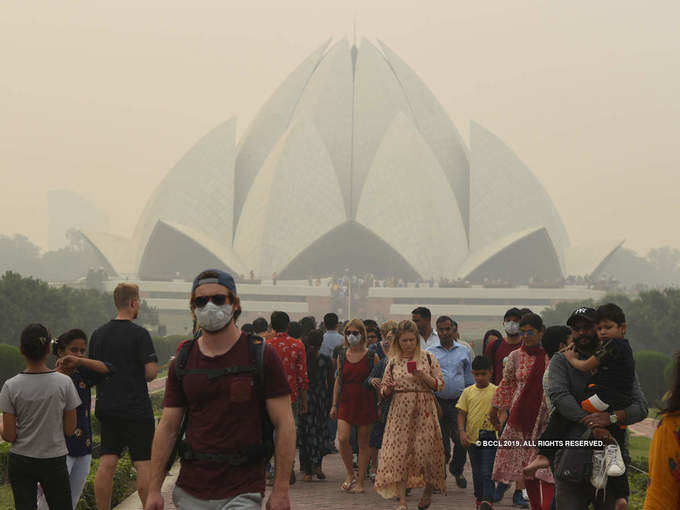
327,495
644,428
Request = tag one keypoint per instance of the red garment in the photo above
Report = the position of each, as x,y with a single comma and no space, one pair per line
504,350
224,416
540,493
357,402
294,359
525,411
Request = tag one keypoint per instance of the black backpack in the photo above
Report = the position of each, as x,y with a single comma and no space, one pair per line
248,454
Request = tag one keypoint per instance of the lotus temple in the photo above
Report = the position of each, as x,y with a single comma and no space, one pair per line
351,164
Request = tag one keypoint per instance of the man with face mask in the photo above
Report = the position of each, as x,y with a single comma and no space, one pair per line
123,406
223,462
499,350
566,390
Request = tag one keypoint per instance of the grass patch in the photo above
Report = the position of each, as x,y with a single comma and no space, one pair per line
638,447
6,498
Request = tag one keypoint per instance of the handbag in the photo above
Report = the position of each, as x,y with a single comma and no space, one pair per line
574,465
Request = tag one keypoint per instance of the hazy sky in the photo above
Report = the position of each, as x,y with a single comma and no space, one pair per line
104,97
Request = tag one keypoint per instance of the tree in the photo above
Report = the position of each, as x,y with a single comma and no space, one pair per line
666,260
27,300
653,318
11,362
650,367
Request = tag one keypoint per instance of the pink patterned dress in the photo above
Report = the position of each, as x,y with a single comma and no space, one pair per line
412,449
511,459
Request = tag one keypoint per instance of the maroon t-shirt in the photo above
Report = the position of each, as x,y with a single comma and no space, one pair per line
224,417
504,350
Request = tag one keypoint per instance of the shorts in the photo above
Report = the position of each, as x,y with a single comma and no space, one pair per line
118,434
185,501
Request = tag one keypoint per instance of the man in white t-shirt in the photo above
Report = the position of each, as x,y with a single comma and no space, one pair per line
423,319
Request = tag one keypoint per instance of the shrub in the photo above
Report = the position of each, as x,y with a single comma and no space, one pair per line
11,362
650,367
122,484
166,346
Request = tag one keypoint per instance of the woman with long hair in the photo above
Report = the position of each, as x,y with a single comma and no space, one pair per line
664,453
491,336
412,453
521,394
313,434
353,403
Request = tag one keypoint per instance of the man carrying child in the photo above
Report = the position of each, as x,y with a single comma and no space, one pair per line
571,391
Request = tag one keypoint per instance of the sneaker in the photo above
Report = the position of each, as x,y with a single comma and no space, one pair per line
501,489
598,477
485,505
614,460
461,481
519,500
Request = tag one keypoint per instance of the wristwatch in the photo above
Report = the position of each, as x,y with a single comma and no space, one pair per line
613,418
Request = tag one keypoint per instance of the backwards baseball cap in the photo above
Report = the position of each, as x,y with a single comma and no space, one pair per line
221,278
513,312
585,313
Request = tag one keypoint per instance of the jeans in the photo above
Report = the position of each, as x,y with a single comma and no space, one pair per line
78,469
481,461
185,501
25,473
577,496
449,426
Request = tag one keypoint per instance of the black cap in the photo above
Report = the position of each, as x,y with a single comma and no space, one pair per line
589,314
514,312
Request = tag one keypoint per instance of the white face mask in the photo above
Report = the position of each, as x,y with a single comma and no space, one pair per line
214,318
511,328
353,339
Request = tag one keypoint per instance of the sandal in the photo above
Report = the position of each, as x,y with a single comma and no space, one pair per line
347,486
402,507
319,474
357,490
308,478
422,505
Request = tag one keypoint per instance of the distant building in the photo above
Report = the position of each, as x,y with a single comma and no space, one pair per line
352,163
69,210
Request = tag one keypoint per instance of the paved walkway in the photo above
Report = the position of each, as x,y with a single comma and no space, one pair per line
327,495
645,428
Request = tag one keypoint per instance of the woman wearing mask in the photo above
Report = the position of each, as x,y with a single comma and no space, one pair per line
521,394
313,426
412,453
353,403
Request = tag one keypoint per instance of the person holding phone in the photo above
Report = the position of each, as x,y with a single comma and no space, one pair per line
412,453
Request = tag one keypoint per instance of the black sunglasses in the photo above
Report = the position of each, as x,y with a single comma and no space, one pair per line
218,299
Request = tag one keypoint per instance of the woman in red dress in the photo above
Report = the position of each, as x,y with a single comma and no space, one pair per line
354,403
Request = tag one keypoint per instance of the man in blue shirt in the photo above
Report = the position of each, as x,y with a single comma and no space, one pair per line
455,360
331,338
331,341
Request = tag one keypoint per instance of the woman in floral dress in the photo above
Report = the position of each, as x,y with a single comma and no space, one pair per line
521,394
412,453
313,434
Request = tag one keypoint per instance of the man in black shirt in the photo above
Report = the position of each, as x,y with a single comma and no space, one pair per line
123,406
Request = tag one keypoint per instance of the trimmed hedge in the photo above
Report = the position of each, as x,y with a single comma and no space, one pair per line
122,481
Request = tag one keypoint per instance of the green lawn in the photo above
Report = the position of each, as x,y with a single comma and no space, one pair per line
639,447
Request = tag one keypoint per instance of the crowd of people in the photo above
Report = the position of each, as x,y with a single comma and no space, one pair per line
406,403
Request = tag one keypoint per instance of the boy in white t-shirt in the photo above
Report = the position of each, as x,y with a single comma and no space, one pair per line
473,406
